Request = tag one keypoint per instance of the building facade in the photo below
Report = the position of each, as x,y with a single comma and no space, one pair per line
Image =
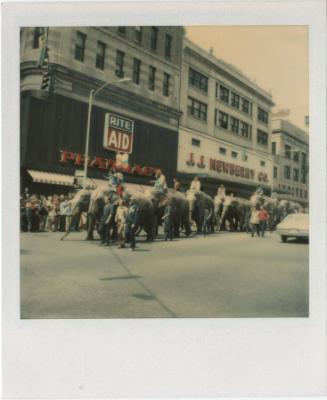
225,128
290,149
53,129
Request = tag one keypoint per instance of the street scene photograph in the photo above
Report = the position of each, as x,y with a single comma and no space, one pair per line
164,172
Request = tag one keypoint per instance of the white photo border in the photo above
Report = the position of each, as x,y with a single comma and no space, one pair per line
163,357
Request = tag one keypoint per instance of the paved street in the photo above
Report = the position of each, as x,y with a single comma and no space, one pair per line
222,275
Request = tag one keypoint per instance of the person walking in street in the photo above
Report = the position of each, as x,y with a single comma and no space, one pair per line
206,221
254,221
263,218
168,226
131,223
195,184
221,192
103,225
120,220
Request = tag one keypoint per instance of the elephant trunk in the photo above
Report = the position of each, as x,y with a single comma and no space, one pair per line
75,217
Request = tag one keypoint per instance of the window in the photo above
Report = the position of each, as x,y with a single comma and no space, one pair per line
80,46
304,158
273,147
305,194
122,30
154,38
152,77
223,120
136,70
235,100
287,151
275,172
297,191
245,130
197,109
234,154
296,156
262,163
295,175
120,63
196,142
101,53
168,42
287,172
303,177
38,32
262,116
224,94
138,34
301,193
234,124
222,151
198,80
165,89
262,137
245,106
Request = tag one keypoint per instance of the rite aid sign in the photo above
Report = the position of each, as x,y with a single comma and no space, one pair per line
118,133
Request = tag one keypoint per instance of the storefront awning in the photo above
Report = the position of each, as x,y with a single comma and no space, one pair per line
51,178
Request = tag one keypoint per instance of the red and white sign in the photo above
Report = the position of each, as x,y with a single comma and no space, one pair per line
118,133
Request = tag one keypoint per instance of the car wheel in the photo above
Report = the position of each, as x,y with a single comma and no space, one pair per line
284,238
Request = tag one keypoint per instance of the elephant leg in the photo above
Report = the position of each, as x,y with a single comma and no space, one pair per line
75,217
176,229
90,227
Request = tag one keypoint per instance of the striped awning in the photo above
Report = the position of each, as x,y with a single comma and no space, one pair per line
51,178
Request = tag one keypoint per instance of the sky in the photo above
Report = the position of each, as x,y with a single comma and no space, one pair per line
275,57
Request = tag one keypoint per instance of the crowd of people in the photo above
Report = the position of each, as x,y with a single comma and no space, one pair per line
41,213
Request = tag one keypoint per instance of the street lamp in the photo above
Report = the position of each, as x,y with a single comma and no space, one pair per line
93,93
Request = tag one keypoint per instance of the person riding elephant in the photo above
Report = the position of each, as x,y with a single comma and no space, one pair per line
198,202
235,210
179,209
80,203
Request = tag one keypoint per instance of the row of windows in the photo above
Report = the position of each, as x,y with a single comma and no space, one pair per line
138,35
120,57
225,121
233,99
223,151
296,174
294,191
288,153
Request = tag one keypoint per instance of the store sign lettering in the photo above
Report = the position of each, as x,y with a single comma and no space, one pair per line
104,164
228,168
118,133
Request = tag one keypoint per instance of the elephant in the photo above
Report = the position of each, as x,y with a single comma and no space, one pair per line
218,209
80,203
236,212
179,205
198,202
145,206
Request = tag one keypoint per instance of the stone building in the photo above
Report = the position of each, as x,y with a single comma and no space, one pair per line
225,128
290,149
53,129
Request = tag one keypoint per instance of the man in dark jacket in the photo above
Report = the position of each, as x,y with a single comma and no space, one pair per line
131,221
104,222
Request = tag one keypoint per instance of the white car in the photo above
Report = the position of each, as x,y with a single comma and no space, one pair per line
294,225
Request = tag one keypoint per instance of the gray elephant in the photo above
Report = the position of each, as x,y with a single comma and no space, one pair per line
218,209
145,206
236,212
179,209
80,203
198,202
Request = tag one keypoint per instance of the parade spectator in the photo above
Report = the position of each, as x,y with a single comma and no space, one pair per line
221,192
168,226
28,213
259,191
195,184
69,214
120,220
160,184
63,209
23,220
177,184
131,223
254,221
263,218
206,221
43,214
